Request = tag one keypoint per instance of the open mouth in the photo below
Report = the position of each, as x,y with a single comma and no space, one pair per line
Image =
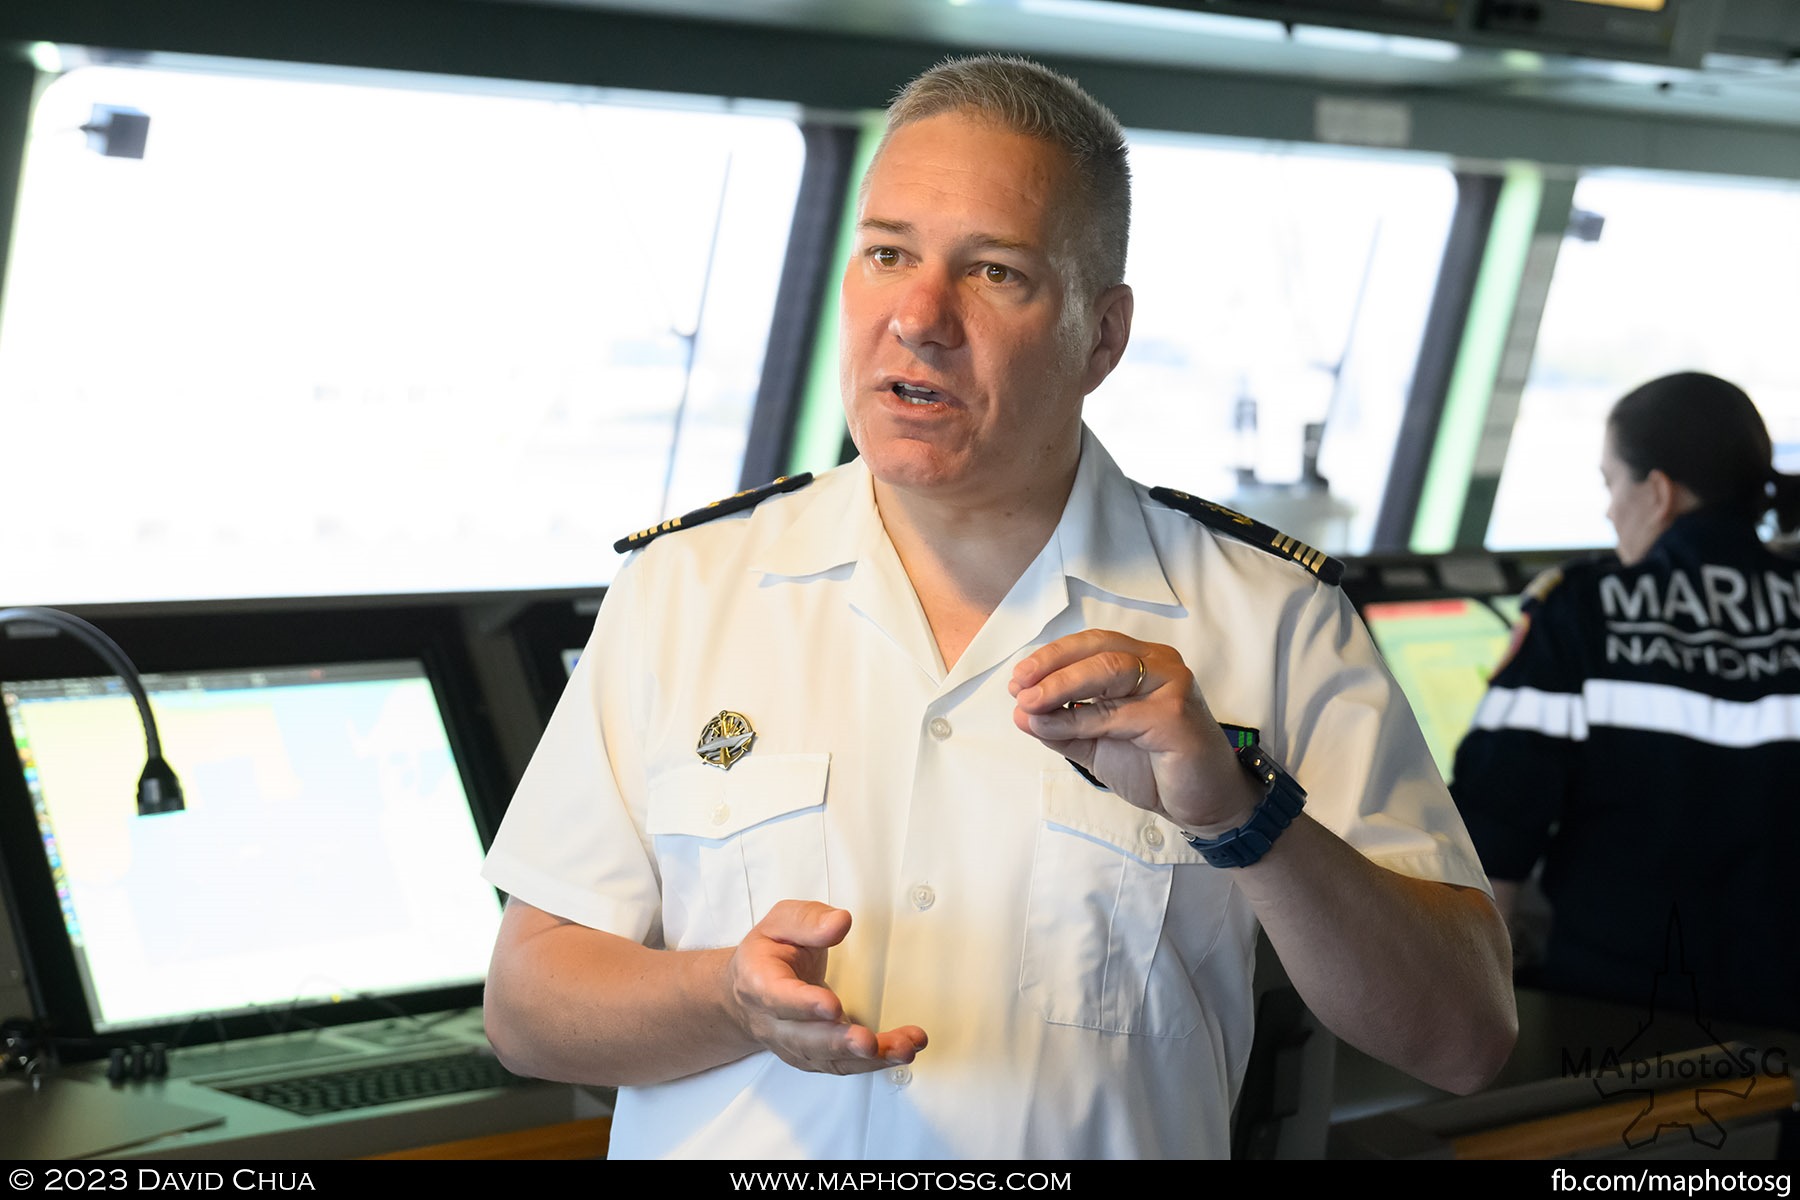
916,395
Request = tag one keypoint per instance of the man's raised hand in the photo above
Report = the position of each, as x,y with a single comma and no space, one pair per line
1131,712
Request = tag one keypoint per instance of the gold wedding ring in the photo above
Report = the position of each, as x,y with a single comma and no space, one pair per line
1140,678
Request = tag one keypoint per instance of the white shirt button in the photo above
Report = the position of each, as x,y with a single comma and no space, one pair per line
721,814
923,896
900,1076
940,728
1153,837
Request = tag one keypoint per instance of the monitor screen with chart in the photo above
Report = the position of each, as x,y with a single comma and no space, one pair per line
1442,652
326,861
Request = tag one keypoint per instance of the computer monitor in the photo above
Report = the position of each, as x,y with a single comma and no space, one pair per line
326,867
1442,653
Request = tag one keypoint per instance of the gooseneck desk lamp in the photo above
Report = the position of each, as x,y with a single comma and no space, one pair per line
158,789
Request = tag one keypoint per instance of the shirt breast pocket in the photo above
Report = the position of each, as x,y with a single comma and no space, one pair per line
730,844
1103,950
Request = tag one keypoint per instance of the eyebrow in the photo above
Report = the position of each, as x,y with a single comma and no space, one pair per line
986,241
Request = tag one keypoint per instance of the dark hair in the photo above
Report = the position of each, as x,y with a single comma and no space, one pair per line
1706,435
1030,99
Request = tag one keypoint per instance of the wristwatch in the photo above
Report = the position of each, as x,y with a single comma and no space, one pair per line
1281,803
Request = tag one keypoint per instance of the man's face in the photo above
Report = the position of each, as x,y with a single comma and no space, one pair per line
966,350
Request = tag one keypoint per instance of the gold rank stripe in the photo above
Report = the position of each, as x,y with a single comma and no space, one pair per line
666,526
1324,567
1299,551
737,502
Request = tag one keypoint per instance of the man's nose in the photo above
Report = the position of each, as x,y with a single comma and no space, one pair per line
929,310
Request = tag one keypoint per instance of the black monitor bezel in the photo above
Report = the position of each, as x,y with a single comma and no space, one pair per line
541,632
201,641
1380,578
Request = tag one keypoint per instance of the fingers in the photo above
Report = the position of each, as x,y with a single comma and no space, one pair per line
777,982
848,1049
778,971
1076,733
1127,712
805,923
1154,742
1085,686
1046,660
1090,667
841,1048
785,997
900,1045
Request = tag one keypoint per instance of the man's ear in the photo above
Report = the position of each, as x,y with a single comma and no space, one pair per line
1114,308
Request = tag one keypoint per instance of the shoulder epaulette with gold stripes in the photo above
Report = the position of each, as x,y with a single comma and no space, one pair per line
718,508
1249,529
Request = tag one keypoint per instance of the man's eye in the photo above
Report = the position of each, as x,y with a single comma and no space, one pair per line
884,256
995,273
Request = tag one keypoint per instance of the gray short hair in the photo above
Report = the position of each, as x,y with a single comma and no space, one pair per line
1030,99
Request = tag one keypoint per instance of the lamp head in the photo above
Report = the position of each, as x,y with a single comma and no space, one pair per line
158,789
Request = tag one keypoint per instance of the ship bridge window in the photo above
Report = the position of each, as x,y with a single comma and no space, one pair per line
1281,298
303,334
1661,273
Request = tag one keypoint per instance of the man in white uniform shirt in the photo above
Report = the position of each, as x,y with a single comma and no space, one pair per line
893,816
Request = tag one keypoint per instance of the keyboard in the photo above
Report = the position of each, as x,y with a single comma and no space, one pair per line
381,1083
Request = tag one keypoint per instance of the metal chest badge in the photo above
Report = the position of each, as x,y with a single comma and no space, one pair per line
726,738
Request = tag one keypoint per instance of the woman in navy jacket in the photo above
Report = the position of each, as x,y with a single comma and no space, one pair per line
1643,739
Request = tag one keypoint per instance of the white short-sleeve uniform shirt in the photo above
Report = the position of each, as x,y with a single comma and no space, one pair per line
1082,974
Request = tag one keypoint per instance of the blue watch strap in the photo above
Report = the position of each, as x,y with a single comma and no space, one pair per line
1281,803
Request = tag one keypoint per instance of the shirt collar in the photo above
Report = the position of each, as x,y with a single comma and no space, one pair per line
837,519
1102,538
